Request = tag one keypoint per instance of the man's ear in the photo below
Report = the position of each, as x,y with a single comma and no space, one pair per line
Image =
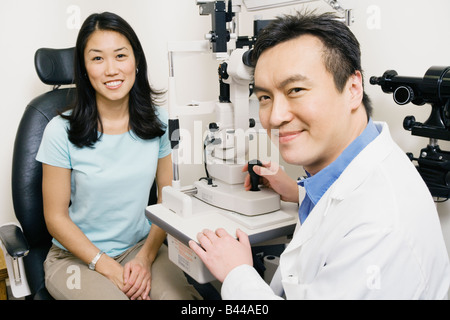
355,89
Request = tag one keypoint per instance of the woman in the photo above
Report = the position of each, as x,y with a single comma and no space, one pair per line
100,159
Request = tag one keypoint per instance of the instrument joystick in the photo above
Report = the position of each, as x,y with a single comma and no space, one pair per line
254,178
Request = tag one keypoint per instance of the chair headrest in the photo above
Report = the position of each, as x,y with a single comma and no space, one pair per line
55,66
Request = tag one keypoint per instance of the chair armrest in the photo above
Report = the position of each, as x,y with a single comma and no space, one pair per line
15,247
14,241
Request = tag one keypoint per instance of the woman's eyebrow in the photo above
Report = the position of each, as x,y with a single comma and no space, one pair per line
98,50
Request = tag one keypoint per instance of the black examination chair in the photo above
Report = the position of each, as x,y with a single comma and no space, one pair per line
27,245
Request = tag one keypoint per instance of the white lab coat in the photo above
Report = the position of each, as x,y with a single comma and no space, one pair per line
375,234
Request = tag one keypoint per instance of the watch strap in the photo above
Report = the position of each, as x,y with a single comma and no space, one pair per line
94,261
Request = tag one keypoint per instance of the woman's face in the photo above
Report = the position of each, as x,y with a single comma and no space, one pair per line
110,66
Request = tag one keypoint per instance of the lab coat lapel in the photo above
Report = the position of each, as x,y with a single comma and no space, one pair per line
363,165
304,232
288,269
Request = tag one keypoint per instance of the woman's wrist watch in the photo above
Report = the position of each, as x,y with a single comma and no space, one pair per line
94,261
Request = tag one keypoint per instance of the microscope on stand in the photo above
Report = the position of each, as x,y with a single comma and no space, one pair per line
433,163
219,199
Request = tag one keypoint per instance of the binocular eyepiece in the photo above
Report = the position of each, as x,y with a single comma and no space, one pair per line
433,88
433,163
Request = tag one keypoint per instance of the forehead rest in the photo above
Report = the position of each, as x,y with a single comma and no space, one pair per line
55,66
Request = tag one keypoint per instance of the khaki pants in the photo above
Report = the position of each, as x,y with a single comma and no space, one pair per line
68,278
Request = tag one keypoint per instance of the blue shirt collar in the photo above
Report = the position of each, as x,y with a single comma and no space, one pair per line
315,186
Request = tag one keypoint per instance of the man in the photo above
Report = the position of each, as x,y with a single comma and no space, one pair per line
368,227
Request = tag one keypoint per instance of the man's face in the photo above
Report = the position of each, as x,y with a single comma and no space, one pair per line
300,106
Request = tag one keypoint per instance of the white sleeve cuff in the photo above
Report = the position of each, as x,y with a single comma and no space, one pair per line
244,283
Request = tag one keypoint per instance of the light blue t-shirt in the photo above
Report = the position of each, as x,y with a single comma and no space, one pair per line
110,183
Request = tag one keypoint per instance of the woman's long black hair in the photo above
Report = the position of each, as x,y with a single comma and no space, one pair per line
84,119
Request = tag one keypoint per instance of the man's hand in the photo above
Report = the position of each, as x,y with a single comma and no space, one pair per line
221,253
274,177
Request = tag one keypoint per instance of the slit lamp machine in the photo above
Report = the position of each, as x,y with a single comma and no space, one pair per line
219,199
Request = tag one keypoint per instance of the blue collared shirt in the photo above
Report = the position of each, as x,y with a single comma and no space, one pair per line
316,186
